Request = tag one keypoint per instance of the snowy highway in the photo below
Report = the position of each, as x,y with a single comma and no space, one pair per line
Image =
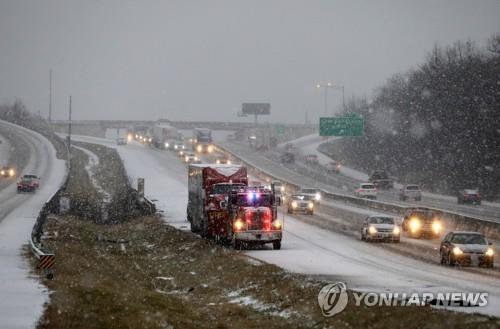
308,248
23,297
348,180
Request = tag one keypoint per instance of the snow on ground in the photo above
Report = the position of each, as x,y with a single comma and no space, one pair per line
4,151
23,297
91,167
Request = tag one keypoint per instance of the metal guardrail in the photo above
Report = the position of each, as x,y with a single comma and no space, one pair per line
46,260
489,228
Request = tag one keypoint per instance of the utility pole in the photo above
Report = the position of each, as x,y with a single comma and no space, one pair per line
69,127
50,96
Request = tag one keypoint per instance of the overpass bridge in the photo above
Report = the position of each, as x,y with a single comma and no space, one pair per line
98,128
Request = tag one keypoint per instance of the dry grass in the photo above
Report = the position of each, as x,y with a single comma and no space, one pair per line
101,284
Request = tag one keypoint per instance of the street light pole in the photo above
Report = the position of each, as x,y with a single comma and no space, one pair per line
325,89
332,86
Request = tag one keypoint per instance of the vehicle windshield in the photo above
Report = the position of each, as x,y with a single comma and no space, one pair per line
468,239
412,188
381,220
252,200
224,188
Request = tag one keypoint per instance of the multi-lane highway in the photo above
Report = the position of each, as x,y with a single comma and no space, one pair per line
22,297
348,180
309,249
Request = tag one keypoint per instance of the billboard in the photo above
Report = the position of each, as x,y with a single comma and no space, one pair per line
256,109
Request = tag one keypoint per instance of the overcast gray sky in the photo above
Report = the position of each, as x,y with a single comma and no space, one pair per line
187,60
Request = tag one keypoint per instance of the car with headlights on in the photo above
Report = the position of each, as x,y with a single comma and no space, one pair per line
223,160
313,194
300,203
7,171
422,222
366,190
177,146
380,228
190,157
466,248
333,167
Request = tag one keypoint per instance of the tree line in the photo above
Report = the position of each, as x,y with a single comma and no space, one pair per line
438,124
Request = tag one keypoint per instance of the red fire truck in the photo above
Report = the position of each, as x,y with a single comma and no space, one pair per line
222,206
253,213
208,187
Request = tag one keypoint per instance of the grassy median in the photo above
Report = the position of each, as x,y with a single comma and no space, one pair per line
145,274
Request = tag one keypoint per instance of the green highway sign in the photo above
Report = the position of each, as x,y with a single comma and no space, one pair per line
341,126
280,130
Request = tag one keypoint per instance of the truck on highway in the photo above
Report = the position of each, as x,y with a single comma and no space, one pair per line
254,217
208,189
164,135
119,135
202,140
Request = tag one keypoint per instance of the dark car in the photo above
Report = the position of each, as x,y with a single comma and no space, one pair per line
26,185
287,157
381,179
468,196
466,248
422,222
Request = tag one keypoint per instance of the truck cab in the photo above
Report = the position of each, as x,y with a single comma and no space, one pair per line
253,213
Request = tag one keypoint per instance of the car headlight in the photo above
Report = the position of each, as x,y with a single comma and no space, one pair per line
186,158
218,161
228,162
457,251
317,196
396,230
2,172
181,153
11,172
277,224
183,147
489,252
195,158
167,145
210,148
436,227
238,225
294,204
175,147
372,230
282,189
414,225
199,148
310,205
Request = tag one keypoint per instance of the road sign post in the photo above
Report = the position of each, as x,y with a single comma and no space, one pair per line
352,125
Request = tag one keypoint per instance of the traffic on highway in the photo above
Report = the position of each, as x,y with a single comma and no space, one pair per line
242,164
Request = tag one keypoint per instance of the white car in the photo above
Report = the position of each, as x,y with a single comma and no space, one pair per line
366,190
380,227
410,191
190,157
333,167
311,193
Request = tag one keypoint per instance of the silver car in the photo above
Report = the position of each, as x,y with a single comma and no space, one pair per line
410,191
380,228
300,203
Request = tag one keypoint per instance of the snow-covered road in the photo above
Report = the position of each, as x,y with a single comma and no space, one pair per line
306,248
22,297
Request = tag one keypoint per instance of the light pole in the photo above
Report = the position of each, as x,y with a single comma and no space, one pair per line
331,86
